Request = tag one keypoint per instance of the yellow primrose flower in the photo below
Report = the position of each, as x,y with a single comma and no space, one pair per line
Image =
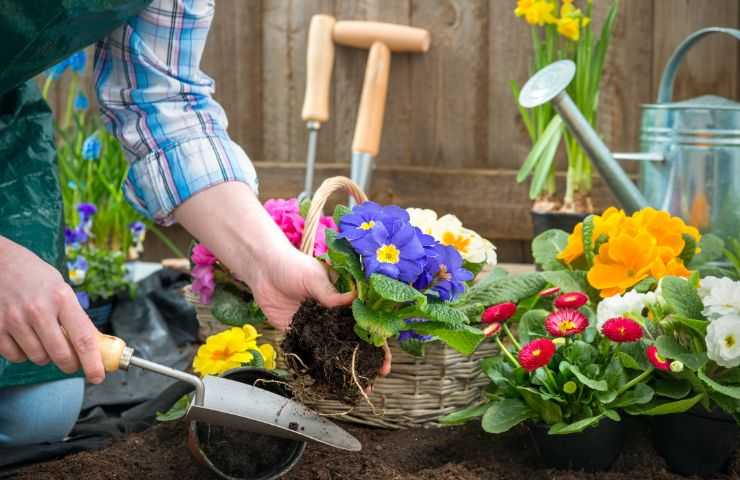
269,355
226,350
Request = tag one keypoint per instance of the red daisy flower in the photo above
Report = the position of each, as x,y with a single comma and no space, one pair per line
498,313
549,292
571,300
658,362
536,354
565,323
492,329
622,329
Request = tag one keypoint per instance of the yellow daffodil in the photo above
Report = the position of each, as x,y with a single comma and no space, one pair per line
536,12
522,7
570,28
226,350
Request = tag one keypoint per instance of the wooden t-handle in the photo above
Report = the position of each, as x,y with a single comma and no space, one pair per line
399,38
111,350
319,64
369,124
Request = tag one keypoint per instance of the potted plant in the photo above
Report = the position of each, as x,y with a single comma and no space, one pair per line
562,31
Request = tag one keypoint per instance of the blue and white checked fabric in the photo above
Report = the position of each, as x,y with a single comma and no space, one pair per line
159,104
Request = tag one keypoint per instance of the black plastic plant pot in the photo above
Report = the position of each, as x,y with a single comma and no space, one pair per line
239,455
100,315
544,221
696,442
592,450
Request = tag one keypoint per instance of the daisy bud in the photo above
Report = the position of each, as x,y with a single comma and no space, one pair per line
492,329
549,292
571,300
570,387
559,341
676,366
498,313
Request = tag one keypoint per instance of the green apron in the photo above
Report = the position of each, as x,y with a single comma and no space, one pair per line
37,34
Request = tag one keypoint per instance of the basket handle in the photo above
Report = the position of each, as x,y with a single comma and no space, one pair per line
327,188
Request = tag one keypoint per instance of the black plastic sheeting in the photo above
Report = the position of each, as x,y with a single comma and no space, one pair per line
161,326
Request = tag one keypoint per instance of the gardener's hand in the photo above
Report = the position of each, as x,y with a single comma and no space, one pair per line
35,303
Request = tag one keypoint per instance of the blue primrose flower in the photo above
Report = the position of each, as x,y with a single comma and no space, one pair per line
364,217
406,335
77,61
431,263
91,147
395,252
81,102
450,278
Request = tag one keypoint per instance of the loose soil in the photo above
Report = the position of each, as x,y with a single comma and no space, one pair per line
322,343
458,453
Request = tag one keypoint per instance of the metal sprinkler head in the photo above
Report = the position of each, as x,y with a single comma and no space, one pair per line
547,84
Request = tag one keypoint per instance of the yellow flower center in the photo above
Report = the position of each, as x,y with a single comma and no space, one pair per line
388,254
567,325
621,331
221,355
536,352
730,341
367,225
458,242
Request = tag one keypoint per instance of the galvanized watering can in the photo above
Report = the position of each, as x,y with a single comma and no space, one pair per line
690,159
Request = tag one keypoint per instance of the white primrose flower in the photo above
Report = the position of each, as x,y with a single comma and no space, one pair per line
449,230
723,341
620,305
721,296
422,218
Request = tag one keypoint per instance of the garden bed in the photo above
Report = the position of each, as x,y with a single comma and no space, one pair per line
456,453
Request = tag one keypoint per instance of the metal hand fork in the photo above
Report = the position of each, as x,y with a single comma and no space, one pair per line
219,401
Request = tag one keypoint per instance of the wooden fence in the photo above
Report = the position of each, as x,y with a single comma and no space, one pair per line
452,139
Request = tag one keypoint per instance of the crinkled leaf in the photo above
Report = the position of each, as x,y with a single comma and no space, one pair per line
671,388
645,285
339,212
593,384
443,313
639,395
546,247
377,323
176,411
671,349
230,308
508,289
665,408
732,391
682,297
463,338
395,291
567,281
505,414
532,325
464,415
547,410
575,427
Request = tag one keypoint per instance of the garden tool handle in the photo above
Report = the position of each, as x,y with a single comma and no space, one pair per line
399,38
369,124
318,201
112,351
665,91
319,64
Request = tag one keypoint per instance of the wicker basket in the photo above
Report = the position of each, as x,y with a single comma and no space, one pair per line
418,390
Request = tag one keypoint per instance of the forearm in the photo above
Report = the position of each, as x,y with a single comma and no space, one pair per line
229,219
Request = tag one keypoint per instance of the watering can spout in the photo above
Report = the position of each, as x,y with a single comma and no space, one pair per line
548,85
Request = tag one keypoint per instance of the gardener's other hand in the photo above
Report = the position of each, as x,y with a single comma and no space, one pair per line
35,303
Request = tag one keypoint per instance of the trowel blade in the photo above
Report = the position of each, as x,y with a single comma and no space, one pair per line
241,406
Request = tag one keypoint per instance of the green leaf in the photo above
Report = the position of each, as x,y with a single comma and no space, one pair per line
343,257
638,395
689,249
567,281
176,411
636,350
395,291
546,247
580,353
545,162
230,308
645,285
339,212
682,297
665,408
443,313
377,323
698,326
509,289
532,325
627,361
588,244
463,338
305,206
464,415
598,385
671,388
413,347
539,148
575,427
505,414
711,247
671,349
730,391
547,410
258,361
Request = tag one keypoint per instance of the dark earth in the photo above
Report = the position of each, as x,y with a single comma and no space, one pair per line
454,453
325,341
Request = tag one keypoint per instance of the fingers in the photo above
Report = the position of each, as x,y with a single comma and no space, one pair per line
25,338
326,294
385,369
82,334
10,350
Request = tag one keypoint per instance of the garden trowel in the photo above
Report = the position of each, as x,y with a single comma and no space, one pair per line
232,404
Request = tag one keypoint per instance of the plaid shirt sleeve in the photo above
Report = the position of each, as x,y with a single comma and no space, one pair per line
159,104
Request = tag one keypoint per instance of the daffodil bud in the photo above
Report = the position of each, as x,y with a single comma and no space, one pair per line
559,341
676,366
570,387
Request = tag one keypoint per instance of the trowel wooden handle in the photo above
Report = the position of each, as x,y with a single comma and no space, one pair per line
111,351
319,64
372,102
399,38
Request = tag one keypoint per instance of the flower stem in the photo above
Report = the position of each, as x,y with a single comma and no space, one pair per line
635,381
511,337
507,353
552,380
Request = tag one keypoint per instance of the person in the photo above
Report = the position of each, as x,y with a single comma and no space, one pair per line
183,168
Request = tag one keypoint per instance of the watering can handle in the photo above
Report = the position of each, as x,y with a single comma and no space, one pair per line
665,91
